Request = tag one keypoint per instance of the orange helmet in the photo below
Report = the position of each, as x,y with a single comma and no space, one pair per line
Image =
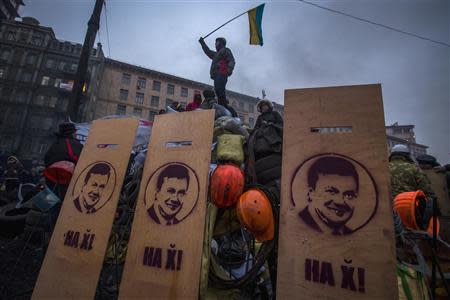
408,206
255,213
227,184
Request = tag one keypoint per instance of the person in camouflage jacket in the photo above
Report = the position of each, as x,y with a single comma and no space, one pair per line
405,175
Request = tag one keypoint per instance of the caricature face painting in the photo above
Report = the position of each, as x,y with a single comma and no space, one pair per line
95,187
175,194
332,190
333,197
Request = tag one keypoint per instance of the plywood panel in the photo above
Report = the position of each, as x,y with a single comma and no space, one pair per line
336,229
165,249
75,255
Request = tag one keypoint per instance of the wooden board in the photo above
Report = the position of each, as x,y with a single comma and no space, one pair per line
75,255
164,254
336,238
439,187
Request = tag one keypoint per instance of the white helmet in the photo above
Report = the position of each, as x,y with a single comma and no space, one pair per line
400,148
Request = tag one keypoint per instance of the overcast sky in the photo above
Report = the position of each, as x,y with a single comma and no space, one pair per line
303,47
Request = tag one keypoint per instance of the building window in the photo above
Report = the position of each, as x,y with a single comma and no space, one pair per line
5,55
170,89
152,115
123,95
169,102
184,92
156,86
251,121
155,101
49,64
121,109
39,100
241,105
31,59
45,80
139,98
36,39
62,104
62,65
10,36
26,77
42,148
2,73
57,82
73,67
137,111
251,108
141,83
23,36
126,78
21,96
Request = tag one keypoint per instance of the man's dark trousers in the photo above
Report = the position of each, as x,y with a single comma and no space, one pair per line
220,82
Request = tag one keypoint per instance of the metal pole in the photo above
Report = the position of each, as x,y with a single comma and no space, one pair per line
80,79
434,247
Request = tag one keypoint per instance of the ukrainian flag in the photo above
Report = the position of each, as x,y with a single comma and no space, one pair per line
255,20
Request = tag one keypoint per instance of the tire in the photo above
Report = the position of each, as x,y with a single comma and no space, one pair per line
37,219
269,175
35,235
12,220
267,163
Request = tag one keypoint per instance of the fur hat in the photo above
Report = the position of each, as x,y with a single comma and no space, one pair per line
266,102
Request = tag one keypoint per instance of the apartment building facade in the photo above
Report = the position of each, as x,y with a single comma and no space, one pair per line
37,73
127,89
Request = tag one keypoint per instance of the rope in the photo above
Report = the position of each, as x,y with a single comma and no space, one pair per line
375,23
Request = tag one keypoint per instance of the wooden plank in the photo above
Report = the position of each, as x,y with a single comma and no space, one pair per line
439,187
75,255
336,237
164,254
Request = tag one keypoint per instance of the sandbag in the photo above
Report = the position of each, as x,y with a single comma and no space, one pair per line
230,148
233,125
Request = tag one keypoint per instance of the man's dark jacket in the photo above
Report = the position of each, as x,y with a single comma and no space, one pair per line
222,61
59,151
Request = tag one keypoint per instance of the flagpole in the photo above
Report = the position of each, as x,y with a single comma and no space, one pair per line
224,25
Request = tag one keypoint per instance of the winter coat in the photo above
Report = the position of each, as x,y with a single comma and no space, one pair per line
192,106
269,117
59,151
407,177
222,61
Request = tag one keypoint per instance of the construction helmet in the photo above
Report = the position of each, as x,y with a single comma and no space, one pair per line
255,213
227,184
411,206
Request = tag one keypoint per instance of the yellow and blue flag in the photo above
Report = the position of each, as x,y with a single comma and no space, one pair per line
255,20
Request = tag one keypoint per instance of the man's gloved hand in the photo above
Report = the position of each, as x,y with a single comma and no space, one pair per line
201,40
230,72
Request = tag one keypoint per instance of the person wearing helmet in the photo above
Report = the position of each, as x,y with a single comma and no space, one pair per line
268,115
406,176
222,66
